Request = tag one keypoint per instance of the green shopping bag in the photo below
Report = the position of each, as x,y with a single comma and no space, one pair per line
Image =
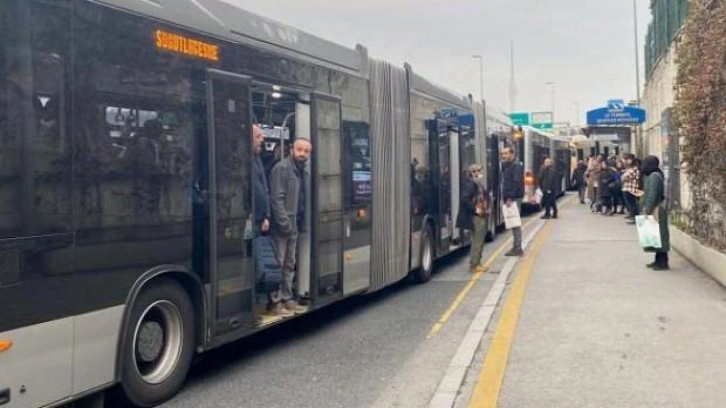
648,231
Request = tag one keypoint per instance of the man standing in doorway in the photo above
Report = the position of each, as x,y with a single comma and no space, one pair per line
548,183
287,191
513,192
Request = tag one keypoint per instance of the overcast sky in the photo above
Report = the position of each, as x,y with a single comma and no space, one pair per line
585,47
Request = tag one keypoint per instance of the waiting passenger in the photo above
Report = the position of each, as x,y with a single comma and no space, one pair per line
548,183
513,192
578,180
473,213
631,181
287,191
606,183
654,204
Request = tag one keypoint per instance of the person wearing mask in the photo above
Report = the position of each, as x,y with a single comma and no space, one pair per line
578,180
287,192
654,204
512,192
547,179
606,184
631,182
473,212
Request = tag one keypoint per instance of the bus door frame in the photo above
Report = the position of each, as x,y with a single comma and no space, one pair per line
243,318
315,217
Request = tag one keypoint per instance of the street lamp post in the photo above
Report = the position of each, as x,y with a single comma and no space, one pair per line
552,88
481,75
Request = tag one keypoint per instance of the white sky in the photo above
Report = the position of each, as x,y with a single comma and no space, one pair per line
586,47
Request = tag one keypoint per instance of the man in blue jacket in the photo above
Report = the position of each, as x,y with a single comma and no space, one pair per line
513,192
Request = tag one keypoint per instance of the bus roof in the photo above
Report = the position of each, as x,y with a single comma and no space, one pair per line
221,19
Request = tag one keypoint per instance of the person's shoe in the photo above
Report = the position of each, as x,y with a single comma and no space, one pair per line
278,310
630,221
660,267
515,252
545,217
554,217
651,265
582,202
294,307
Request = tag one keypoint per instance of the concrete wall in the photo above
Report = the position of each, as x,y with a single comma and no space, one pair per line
658,95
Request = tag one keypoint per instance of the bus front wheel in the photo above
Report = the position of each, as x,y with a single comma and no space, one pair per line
159,345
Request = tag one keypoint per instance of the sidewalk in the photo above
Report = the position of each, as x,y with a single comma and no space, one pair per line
597,328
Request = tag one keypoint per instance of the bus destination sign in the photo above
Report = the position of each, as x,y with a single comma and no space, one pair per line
187,46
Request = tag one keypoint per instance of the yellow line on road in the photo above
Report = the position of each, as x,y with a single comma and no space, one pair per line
489,383
465,290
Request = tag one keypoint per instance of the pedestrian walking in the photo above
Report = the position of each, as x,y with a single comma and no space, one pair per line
287,190
512,192
473,213
654,203
578,180
631,183
548,181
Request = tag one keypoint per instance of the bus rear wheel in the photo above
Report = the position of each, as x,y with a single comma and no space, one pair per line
424,272
159,345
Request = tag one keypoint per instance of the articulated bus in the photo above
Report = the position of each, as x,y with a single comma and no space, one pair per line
533,148
125,184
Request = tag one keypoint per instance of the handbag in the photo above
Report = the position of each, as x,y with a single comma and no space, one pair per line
268,272
511,216
648,231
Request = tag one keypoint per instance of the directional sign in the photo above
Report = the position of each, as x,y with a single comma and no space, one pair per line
542,120
616,113
520,118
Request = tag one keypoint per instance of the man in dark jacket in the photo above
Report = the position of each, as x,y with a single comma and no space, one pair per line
513,192
578,180
548,182
262,189
287,192
473,213
606,185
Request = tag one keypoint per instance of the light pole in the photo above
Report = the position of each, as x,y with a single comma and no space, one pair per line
481,75
552,88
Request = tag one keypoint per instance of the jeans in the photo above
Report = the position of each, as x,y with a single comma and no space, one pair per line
631,202
581,189
477,240
517,232
286,246
549,201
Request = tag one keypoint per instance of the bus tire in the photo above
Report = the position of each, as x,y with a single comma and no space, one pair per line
426,258
159,344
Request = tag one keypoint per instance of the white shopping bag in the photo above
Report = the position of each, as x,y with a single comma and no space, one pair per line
648,231
538,196
511,216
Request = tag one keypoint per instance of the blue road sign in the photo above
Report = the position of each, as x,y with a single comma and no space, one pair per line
616,113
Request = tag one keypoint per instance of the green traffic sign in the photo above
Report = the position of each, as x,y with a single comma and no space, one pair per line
520,118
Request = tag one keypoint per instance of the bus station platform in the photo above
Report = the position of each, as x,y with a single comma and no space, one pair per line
583,322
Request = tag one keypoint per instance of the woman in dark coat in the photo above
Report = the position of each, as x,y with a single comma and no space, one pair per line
653,203
473,212
604,192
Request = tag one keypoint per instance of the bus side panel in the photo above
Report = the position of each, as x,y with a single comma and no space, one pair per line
39,362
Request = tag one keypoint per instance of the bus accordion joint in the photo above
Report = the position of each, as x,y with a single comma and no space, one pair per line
5,345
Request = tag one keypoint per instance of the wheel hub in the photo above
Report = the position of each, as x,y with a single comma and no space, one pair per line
150,341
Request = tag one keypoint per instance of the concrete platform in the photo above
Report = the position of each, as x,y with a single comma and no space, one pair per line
597,328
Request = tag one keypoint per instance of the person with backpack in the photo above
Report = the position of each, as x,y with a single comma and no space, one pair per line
654,203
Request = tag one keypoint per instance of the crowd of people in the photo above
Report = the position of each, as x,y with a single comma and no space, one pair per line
626,186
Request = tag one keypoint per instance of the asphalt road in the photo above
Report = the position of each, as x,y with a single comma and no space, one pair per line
369,351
